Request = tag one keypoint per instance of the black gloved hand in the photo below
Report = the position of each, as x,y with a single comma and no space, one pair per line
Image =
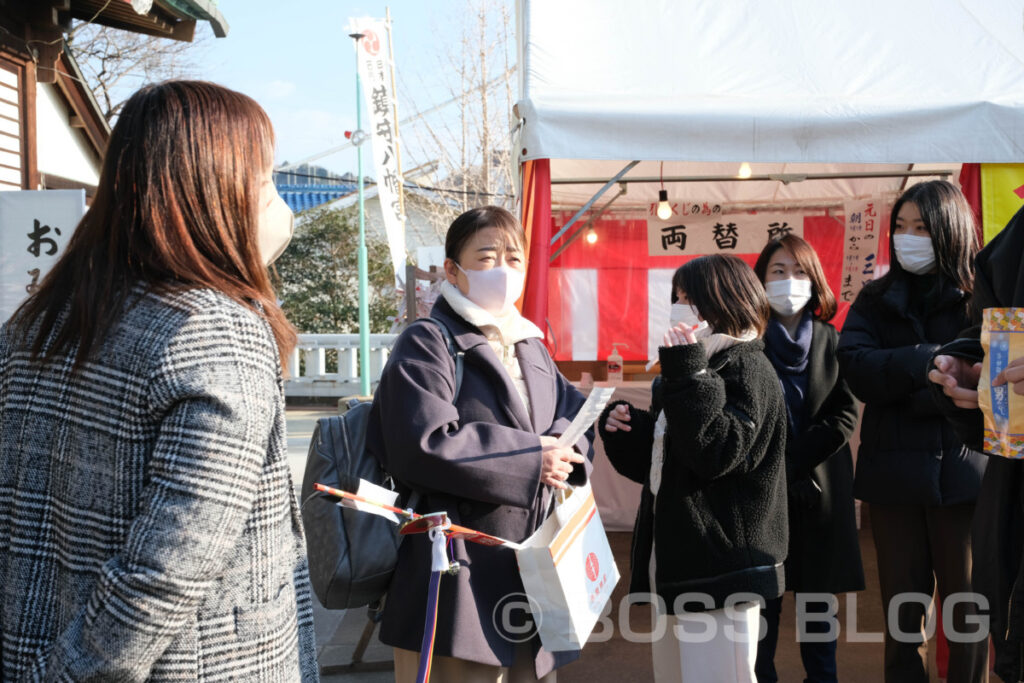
805,494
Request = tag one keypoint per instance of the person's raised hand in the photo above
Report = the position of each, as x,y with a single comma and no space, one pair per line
618,419
959,379
556,462
679,335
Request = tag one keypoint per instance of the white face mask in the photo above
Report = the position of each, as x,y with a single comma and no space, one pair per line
787,297
495,290
915,253
275,228
687,314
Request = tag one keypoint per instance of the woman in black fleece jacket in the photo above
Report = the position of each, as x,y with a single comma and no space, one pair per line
712,526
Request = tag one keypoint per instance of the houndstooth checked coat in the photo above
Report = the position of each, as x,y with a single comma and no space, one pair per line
148,525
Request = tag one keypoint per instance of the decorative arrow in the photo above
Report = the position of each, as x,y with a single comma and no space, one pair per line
417,523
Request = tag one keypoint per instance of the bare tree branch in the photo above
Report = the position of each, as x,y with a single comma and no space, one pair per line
115,63
471,140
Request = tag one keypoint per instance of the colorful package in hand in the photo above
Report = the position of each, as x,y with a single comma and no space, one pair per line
1002,337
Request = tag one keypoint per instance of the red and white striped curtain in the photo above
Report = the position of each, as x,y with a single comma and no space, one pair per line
614,291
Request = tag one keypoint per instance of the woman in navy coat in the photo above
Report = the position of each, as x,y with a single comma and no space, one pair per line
488,459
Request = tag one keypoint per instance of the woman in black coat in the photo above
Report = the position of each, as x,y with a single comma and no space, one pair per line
710,535
920,480
824,554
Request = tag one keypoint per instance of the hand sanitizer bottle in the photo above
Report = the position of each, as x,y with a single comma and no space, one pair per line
615,364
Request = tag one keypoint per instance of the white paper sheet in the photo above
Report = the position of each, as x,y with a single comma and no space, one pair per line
591,410
376,493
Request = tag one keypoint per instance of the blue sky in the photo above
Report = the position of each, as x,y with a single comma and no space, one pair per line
297,60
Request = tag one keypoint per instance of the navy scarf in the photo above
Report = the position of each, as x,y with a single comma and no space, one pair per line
789,357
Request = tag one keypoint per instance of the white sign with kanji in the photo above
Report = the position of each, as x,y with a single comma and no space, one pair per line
35,226
698,228
375,73
860,245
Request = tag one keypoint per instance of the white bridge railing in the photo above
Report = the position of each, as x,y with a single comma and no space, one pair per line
327,365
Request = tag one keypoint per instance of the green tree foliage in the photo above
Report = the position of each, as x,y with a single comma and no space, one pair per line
318,275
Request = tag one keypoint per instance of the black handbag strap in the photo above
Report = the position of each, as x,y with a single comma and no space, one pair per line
458,358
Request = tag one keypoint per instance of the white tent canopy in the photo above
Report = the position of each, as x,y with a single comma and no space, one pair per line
827,187
790,87
783,81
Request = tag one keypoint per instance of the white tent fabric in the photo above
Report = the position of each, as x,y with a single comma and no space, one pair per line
738,195
783,81
791,87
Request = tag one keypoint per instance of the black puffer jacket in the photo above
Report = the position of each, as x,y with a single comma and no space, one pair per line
908,452
720,516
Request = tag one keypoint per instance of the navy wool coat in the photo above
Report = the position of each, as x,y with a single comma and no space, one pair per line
479,460
148,522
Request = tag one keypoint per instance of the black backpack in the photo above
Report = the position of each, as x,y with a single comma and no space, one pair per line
352,554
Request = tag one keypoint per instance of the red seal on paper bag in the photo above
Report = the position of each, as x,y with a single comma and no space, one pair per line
592,567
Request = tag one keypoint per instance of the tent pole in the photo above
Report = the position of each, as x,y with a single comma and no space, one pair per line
364,302
590,221
784,178
903,185
586,207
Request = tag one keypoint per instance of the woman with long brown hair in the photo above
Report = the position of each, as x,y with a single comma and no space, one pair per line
146,506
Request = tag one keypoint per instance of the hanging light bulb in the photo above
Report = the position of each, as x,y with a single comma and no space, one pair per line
591,236
664,208
744,170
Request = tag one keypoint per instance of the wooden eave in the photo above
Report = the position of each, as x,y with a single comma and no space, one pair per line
119,14
37,27
82,103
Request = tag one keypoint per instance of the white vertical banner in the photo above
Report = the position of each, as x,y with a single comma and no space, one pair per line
579,289
860,245
659,307
375,73
35,226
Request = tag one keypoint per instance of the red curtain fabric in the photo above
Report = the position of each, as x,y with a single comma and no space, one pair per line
970,184
536,219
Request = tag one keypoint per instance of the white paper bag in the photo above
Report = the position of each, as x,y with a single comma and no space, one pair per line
568,571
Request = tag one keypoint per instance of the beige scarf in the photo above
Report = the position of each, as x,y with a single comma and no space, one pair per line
502,334
720,342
